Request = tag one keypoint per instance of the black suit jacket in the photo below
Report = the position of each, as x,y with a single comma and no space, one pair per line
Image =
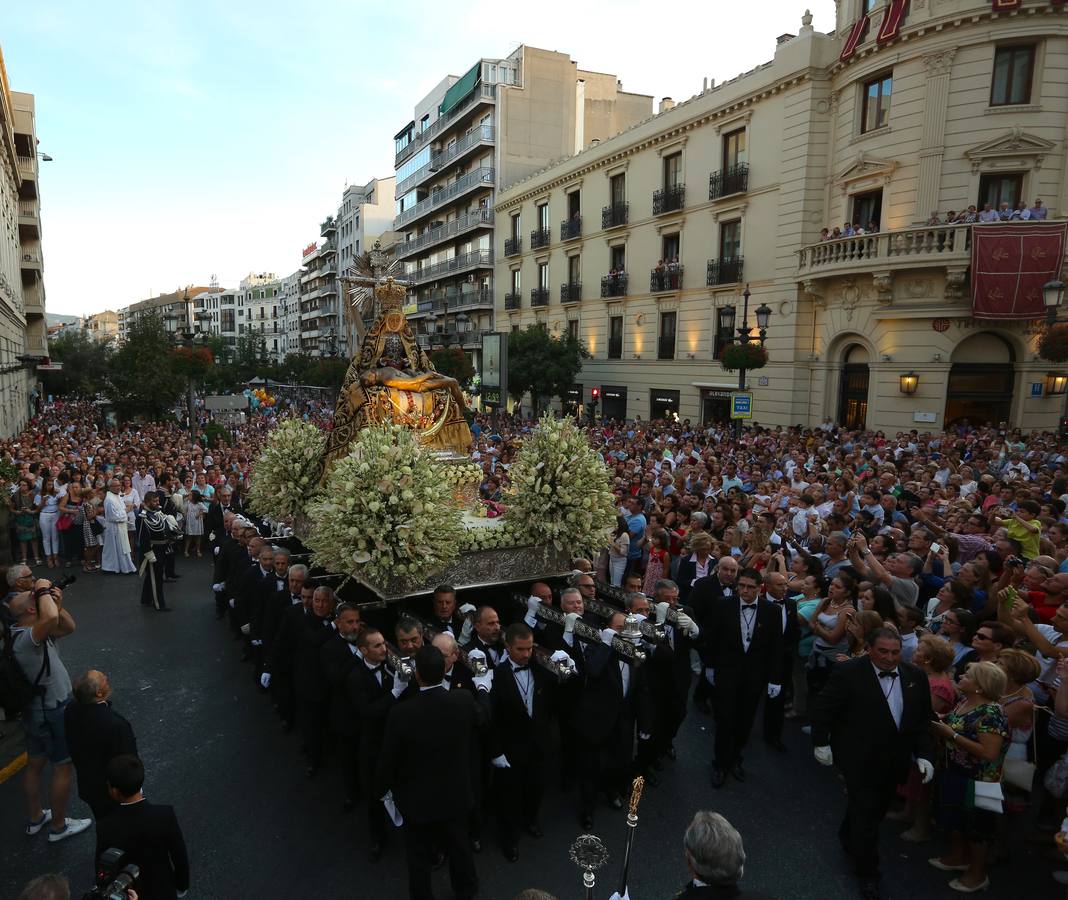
308,675
852,716
687,574
370,703
336,660
281,650
719,892
434,732
273,613
96,734
150,835
670,665
238,562
221,559
703,599
519,736
476,643
601,709
736,668
251,595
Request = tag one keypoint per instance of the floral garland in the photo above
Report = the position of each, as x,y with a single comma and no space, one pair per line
560,492
461,473
282,478
386,511
498,537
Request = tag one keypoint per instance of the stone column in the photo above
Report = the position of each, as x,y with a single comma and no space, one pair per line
932,146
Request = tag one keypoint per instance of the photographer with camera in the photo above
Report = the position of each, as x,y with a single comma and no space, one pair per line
40,620
147,833
56,887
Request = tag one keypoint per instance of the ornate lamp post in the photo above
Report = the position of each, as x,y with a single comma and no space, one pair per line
727,318
188,330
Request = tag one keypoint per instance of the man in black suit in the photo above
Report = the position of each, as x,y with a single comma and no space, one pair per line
715,856
312,691
458,676
444,616
214,521
486,635
241,557
870,720
147,832
614,698
440,726
280,660
521,703
336,658
258,585
743,661
670,673
288,580
222,548
775,709
703,598
96,734
372,690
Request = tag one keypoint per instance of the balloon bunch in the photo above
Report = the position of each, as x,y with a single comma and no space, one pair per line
260,399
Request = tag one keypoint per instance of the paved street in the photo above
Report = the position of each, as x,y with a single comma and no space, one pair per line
256,827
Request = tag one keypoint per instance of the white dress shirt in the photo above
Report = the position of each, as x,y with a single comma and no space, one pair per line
747,620
894,698
524,681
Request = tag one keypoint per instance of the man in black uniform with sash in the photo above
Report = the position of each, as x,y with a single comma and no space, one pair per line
154,536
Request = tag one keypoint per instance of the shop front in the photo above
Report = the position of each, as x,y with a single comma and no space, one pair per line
573,400
663,404
715,405
614,402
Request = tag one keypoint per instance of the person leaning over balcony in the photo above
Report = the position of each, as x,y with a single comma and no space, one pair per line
1038,211
825,234
989,214
1021,213
971,215
1004,212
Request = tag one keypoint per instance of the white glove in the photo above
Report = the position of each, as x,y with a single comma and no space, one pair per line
233,603
484,682
257,643
774,690
662,609
265,680
467,609
825,757
606,636
216,551
616,896
218,587
687,625
559,656
532,605
467,631
710,676
642,736
150,556
245,629
501,762
476,654
569,622
399,685
926,770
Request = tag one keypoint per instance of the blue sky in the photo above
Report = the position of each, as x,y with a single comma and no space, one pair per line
192,138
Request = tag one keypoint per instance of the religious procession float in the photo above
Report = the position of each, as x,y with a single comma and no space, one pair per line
388,498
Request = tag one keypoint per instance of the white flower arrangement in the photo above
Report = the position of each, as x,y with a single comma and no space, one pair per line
498,537
387,511
462,473
560,492
283,476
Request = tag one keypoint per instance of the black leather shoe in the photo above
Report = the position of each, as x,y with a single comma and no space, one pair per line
374,853
511,854
719,777
534,830
738,772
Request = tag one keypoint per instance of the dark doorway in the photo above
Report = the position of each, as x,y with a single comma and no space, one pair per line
980,393
663,404
614,403
715,407
853,389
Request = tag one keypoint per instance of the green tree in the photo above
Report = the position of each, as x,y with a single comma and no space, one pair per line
543,365
143,377
452,361
85,365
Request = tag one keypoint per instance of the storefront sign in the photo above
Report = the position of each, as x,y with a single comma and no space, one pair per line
670,398
574,393
924,417
615,393
741,406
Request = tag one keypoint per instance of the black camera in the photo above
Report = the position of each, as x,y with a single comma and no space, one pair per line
114,876
65,582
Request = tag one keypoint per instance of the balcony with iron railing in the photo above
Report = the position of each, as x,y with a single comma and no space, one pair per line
478,218
328,247
31,261
666,278
724,271
456,301
513,246
476,259
482,134
571,228
476,179
513,301
539,238
732,180
328,227
614,286
26,166
33,298
669,199
539,297
28,209
615,214
571,292
483,93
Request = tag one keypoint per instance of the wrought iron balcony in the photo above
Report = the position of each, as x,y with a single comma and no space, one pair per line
476,179
328,227
484,93
615,215
540,237
665,346
732,180
668,278
724,271
669,199
513,246
483,134
539,297
571,228
513,301
571,293
614,285
432,236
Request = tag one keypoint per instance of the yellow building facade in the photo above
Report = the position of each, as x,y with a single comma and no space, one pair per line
657,229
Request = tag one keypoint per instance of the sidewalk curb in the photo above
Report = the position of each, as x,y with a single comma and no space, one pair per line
13,767
12,750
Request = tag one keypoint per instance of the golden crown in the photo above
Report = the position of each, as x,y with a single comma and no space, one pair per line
390,295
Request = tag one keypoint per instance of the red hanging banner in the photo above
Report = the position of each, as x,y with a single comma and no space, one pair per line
856,33
1010,263
893,16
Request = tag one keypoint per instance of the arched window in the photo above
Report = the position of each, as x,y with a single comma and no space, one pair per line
980,381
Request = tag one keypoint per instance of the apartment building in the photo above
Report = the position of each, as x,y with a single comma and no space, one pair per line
289,304
23,332
178,310
102,326
646,242
259,312
470,136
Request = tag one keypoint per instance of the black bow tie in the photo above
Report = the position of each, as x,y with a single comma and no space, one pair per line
377,668
520,668
888,674
749,606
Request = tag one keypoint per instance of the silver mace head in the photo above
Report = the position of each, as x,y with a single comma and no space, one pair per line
631,630
589,853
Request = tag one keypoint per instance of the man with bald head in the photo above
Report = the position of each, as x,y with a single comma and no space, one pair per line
96,734
457,675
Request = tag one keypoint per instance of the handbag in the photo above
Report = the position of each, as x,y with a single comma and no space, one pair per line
1020,773
64,522
987,795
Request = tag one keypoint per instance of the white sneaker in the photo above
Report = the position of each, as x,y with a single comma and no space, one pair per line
34,827
71,828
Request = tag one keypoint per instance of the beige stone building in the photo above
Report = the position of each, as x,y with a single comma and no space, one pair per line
102,326
960,106
23,332
499,122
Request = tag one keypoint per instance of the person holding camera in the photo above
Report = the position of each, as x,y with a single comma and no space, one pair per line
40,620
147,833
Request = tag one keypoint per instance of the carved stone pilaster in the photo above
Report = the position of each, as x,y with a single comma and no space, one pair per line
939,63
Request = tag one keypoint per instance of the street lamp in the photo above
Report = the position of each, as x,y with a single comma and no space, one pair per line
187,331
1052,297
727,318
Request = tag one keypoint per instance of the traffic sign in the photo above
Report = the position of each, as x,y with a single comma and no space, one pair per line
741,406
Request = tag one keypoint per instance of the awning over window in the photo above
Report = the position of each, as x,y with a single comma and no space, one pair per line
461,89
